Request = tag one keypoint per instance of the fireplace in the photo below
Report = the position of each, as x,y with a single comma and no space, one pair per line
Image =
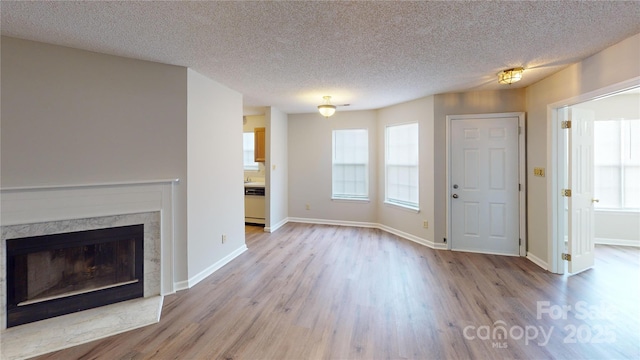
48,210
57,274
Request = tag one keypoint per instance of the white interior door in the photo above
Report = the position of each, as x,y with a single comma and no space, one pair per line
484,185
580,180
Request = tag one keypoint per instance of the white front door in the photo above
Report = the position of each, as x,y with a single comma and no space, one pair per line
580,180
484,185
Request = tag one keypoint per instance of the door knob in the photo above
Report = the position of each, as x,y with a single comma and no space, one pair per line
455,196
595,200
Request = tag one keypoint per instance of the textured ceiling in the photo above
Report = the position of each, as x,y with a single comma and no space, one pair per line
368,54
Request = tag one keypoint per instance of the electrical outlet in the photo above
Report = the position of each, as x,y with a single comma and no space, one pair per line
307,206
224,238
425,224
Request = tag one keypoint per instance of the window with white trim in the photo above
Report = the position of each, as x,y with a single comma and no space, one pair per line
248,150
401,165
350,164
617,164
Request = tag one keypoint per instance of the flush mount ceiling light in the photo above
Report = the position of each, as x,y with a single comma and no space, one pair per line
510,76
327,109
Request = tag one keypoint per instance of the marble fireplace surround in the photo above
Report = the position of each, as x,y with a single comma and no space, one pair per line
50,210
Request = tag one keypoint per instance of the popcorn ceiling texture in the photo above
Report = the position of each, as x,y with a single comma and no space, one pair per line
370,54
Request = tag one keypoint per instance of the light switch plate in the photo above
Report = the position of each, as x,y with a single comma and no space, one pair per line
538,171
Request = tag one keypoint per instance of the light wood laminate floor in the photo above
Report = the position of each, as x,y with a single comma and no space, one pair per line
330,292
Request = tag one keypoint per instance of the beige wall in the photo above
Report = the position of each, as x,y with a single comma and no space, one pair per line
215,192
476,102
420,111
310,141
613,65
309,158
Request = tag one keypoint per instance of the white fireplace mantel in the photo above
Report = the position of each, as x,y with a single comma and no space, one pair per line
32,207
27,205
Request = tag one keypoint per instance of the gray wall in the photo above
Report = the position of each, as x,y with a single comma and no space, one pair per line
77,117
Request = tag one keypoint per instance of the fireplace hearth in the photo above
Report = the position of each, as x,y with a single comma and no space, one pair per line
57,274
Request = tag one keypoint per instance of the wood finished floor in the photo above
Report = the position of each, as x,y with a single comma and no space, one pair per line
329,292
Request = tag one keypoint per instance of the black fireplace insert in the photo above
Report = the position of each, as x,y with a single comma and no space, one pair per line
53,275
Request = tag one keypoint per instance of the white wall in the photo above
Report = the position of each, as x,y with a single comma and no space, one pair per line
610,225
214,169
77,117
310,141
610,66
410,222
277,168
613,226
622,106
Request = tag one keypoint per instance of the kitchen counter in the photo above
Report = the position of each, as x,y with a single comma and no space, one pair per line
254,184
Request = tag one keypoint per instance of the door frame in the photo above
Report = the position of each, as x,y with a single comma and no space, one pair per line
556,146
522,172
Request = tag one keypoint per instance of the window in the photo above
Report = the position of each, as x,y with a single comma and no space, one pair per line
617,164
401,165
248,149
350,172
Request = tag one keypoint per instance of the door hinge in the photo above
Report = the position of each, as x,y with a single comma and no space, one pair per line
519,242
519,130
566,257
566,192
566,124
519,187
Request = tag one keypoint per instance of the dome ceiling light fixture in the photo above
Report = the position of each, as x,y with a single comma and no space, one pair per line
327,109
510,76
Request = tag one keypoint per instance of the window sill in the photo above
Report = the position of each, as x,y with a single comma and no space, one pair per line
341,199
412,209
621,211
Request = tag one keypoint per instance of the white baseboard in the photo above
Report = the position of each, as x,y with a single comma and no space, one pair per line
277,226
183,285
334,222
536,260
619,242
180,285
410,237
402,234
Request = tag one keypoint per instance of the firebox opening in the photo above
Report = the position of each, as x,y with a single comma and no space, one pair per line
53,275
